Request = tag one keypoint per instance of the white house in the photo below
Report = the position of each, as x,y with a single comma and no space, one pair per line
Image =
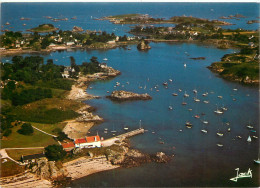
70,43
88,142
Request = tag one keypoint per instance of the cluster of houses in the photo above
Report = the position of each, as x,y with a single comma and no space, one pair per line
87,142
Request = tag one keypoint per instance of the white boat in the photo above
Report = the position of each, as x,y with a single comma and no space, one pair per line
249,126
249,139
257,161
206,102
247,174
125,128
220,97
180,90
205,122
224,108
174,94
228,129
105,59
218,111
255,137
185,94
196,99
185,65
220,134
188,124
195,91
170,107
220,145
204,131
170,80
235,89
113,131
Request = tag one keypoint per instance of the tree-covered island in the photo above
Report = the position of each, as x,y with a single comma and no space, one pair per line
146,19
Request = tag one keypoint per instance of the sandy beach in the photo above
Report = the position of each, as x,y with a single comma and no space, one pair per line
85,166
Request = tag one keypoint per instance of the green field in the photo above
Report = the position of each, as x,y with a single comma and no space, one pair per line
37,139
16,154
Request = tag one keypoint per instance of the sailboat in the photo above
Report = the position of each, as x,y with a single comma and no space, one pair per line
220,134
247,174
183,102
204,131
218,111
196,99
185,94
188,124
113,131
170,107
249,126
224,108
204,121
249,139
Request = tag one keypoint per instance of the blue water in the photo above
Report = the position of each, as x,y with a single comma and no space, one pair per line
198,161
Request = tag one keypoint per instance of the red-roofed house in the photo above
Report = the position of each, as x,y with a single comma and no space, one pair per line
88,142
68,146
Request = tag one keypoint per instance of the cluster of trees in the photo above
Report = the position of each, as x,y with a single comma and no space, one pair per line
9,38
26,129
92,67
29,95
6,125
55,152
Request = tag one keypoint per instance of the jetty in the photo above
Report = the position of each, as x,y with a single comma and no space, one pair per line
111,141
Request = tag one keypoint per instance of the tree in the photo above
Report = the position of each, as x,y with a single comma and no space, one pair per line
26,129
55,152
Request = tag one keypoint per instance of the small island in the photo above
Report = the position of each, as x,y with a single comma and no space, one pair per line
44,28
146,19
126,95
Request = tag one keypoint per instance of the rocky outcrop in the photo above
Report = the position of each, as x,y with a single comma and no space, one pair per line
127,157
126,95
77,29
198,58
143,45
161,157
48,169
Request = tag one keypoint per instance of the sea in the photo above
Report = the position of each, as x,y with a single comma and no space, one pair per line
197,161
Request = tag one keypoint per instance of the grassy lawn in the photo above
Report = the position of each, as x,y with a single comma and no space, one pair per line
10,168
16,154
37,139
49,110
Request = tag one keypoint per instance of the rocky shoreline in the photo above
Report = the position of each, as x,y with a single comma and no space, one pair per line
126,96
